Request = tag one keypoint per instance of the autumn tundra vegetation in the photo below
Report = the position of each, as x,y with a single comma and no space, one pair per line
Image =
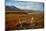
17,19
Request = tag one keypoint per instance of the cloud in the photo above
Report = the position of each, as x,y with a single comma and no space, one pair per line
25,4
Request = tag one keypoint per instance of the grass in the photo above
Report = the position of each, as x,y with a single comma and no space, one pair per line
13,19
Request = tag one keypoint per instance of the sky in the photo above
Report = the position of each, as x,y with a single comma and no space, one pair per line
28,5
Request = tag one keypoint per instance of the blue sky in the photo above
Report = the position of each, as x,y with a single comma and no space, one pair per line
28,5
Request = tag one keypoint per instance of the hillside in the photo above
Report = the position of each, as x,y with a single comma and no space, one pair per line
17,19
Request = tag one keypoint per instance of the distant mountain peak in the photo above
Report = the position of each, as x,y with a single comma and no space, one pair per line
11,7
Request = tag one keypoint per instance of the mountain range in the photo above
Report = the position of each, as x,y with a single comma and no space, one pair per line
15,9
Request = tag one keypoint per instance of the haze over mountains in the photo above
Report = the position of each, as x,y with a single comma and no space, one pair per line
26,5
15,9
